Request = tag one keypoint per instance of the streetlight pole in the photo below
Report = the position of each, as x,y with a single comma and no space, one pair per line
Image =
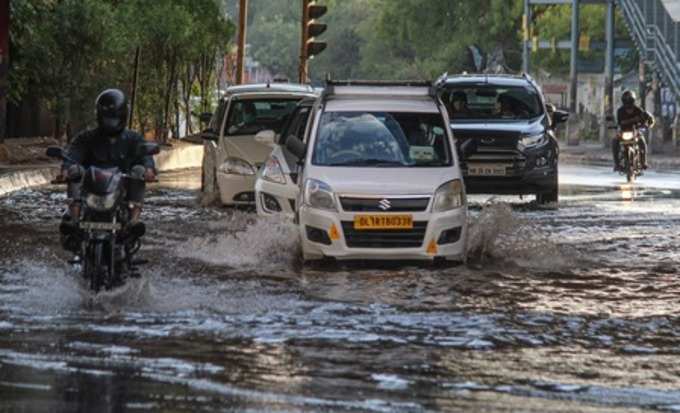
4,66
242,21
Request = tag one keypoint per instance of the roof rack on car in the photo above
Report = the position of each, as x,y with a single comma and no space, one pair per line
373,87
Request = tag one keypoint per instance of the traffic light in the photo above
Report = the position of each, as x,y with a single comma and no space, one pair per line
311,29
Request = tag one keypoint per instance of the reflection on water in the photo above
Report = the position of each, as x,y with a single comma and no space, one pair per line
558,310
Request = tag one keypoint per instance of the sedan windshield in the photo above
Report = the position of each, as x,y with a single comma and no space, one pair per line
382,139
248,117
474,102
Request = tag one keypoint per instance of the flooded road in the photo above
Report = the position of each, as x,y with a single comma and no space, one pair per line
568,310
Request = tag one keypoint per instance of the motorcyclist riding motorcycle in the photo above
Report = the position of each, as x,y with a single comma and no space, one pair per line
109,145
629,117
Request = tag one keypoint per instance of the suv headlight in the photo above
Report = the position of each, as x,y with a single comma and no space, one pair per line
272,171
449,196
236,166
533,140
319,194
101,203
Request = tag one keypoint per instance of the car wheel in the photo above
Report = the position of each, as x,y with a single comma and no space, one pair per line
550,196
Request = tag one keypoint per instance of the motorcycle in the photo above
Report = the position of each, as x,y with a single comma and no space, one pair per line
629,154
106,243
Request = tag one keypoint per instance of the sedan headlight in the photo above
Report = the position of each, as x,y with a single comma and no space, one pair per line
237,166
533,140
272,171
318,194
449,196
101,203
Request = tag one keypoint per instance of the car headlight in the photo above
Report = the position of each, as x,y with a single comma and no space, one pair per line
101,203
628,136
533,140
318,194
449,196
236,166
272,171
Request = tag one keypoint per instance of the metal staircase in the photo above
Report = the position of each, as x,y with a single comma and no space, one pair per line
654,26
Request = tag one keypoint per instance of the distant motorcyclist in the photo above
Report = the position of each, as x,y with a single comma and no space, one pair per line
109,145
629,117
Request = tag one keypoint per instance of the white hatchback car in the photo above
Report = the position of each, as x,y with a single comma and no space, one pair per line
380,178
242,133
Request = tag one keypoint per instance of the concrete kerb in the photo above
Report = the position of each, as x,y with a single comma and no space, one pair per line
14,178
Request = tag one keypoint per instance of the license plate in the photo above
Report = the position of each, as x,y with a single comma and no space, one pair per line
368,222
487,170
99,226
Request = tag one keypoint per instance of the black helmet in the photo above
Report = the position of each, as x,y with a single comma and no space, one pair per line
628,98
112,111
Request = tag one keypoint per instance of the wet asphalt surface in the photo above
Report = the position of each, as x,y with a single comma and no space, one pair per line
567,310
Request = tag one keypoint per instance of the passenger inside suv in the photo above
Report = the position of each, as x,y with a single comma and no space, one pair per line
458,105
509,107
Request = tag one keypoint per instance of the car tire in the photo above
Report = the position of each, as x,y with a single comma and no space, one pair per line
550,196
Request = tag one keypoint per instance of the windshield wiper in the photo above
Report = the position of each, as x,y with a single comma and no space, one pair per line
369,162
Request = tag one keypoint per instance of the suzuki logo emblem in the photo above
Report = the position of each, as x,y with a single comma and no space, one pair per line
385,204
488,141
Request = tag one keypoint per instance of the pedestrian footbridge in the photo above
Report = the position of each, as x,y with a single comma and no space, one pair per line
654,26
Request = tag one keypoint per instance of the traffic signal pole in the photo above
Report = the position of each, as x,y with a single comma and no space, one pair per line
304,63
240,52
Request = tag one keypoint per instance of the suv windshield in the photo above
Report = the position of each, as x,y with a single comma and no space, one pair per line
247,117
467,102
389,139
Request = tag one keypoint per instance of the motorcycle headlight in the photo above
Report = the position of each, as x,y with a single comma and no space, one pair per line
533,140
237,166
272,171
449,196
318,194
628,136
101,203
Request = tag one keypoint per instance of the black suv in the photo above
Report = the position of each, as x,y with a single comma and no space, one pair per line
505,134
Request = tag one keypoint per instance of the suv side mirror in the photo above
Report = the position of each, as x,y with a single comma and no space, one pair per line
267,137
560,116
296,147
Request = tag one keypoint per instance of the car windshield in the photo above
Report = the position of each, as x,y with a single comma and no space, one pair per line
248,117
473,102
387,139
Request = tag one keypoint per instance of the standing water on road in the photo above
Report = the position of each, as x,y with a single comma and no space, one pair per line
573,309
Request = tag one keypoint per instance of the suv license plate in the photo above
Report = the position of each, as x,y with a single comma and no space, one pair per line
100,226
487,170
368,222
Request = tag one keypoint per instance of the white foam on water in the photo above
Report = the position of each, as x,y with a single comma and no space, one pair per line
245,240
498,234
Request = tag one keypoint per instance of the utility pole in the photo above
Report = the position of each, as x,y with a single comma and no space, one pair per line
526,28
609,77
133,93
4,66
573,131
240,53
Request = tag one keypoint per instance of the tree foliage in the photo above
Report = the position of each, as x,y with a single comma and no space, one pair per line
66,51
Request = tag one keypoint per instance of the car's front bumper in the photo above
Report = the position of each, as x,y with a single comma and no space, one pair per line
528,182
236,189
431,225
274,198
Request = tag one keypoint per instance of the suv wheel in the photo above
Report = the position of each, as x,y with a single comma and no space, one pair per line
550,196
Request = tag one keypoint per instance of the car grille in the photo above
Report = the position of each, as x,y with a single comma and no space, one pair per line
384,204
411,238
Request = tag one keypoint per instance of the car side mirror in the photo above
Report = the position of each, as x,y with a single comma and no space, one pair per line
266,137
54,152
210,135
560,116
296,147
